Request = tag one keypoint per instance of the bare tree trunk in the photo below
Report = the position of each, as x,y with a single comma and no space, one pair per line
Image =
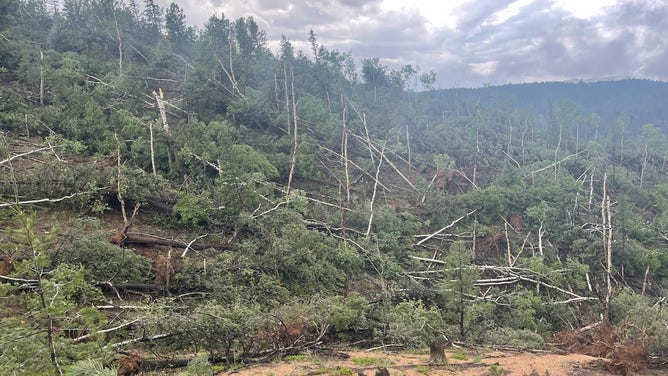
150,130
120,44
591,190
344,150
120,237
510,135
509,253
160,100
524,131
645,159
644,281
329,102
295,140
540,239
368,138
475,238
375,188
287,96
606,219
427,237
408,145
477,152
41,78
234,79
119,191
433,179
577,137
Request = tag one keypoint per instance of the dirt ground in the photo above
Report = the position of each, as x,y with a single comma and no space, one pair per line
460,363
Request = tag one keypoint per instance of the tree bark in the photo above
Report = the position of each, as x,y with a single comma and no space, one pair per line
295,141
287,97
437,352
344,149
150,129
644,281
160,100
149,240
606,219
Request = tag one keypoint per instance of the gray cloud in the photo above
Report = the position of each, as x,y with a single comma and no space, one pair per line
540,41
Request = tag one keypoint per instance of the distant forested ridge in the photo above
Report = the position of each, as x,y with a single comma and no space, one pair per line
641,100
180,196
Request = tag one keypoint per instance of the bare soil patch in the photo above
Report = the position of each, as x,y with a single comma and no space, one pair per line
461,363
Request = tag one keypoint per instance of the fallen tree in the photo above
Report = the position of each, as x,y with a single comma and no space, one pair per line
153,240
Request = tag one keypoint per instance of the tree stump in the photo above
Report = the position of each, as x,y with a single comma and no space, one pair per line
437,352
131,365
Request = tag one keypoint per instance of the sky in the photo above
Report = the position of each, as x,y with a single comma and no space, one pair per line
471,43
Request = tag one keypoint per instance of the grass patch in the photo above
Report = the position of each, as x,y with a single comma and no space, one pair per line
422,369
337,371
220,367
366,361
296,358
495,370
459,356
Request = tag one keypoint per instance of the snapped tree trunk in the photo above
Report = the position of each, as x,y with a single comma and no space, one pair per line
160,101
437,352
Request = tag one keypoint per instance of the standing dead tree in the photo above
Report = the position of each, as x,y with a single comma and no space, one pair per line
606,227
344,148
121,235
295,141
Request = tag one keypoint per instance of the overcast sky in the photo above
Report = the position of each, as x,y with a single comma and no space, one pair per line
470,43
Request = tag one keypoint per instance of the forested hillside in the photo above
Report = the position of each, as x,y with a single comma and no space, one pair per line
640,100
194,196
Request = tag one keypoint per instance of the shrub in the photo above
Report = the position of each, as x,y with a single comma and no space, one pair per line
347,313
89,367
192,211
645,321
412,324
522,338
105,261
